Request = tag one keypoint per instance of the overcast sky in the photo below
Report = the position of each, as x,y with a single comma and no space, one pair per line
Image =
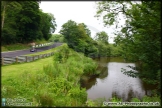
78,11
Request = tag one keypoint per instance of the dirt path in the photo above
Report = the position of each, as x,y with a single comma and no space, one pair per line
24,52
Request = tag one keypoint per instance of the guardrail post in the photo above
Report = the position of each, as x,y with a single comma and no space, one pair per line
16,59
26,58
2,60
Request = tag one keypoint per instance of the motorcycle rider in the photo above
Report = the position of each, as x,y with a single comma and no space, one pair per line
33,46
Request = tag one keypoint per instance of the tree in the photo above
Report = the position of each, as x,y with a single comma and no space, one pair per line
70,31
25,22
3,11
77,37
47,25
28,21
140,37
102,37
10,27
88,32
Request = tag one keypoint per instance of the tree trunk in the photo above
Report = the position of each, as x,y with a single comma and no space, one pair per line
3,15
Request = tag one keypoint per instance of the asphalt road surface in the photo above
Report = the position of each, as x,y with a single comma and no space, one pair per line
24,52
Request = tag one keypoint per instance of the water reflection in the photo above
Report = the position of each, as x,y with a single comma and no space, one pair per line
113,81
88,84
103,71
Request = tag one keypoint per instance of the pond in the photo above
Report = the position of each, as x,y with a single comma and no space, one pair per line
112,81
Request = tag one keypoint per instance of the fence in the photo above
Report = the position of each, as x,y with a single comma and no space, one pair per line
22,59
41,45
37,46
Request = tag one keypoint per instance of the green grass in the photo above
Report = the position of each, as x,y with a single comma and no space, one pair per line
14,70
19,46
17,69
52,81
13,47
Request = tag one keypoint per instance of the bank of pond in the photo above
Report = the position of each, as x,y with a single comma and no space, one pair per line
75,80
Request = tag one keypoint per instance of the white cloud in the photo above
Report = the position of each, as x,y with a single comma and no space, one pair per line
78,11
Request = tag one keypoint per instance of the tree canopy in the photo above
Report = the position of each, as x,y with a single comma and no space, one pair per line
140,37
102,37
78,37
23,21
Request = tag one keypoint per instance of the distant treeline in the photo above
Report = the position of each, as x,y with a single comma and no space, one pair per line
78,37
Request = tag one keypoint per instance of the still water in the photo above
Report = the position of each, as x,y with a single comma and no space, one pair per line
112,81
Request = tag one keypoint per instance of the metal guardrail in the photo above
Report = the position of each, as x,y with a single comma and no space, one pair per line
36,46
41,45
22,59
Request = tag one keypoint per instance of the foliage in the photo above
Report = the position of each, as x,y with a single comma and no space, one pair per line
76,35
24,22
57,38
49,83
90,103
115,50
102,37
62,54
139,38
78,38
47,25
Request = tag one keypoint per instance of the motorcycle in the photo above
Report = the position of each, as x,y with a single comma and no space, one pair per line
33,49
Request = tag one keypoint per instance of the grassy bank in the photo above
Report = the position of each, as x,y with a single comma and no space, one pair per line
52,81
19,46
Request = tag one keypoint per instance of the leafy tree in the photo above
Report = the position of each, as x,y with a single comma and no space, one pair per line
78,38
70,31
102,37
10,27
88,32
140,37
23,21
47,25
28,21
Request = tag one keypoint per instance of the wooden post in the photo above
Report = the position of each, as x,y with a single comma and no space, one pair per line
16,59
33,58
38,56
2,60
26,58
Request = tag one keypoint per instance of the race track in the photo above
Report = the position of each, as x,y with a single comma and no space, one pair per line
24,52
